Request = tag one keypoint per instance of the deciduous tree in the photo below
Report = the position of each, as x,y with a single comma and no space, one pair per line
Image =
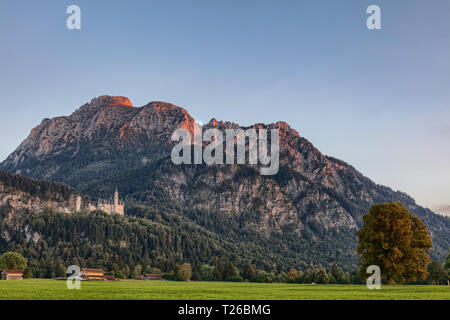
12,260
336,272
184,272
437,272
137,271
447,263
396,241
248,271
292,275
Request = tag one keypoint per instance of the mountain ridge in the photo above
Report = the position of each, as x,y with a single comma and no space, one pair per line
313,197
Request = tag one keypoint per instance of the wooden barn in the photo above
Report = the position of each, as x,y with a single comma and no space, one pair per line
92,274
151,276
12,275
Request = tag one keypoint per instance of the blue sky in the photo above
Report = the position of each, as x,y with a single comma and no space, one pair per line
379,100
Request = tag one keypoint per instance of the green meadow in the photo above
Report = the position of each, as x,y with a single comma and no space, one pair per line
41,289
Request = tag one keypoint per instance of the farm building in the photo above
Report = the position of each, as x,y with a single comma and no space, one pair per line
12,275
92,274
150,277
153,277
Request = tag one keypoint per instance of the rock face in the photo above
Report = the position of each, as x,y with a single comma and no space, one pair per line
100,136
19,193
109,142
19,200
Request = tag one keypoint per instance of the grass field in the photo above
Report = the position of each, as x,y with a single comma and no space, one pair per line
167,290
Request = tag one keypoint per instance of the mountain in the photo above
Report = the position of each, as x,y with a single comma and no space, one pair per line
99,137
31,224
308,213
444,210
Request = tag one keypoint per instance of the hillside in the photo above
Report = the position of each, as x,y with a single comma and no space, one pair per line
19,192
33,226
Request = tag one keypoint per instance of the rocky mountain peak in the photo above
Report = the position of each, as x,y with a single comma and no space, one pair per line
109,142
89,109
111,101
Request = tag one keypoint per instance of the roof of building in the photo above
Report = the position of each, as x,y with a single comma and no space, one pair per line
92,270
12,271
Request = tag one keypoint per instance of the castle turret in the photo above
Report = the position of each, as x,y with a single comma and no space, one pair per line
78,202
116,201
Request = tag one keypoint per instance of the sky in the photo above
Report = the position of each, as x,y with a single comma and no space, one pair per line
377,99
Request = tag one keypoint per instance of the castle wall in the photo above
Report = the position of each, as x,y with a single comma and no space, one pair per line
120,209
76,204
106,207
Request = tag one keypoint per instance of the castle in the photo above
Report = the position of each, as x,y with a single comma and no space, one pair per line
111,207
114,206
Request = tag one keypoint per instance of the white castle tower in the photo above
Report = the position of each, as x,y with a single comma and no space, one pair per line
78,202
116,202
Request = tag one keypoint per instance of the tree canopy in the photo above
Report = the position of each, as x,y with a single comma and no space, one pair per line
184,272
437,272
13,261
447,262
396,241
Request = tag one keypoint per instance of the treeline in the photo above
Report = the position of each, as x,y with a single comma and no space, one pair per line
45,190
127,247
227,271
158,242
51,241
